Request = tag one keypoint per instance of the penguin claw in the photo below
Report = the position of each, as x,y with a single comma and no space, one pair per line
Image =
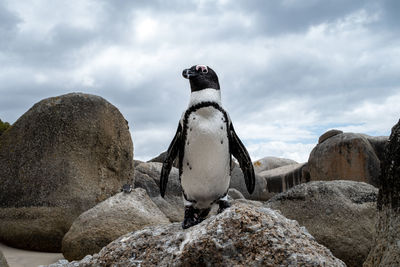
223,205
194,216
189,222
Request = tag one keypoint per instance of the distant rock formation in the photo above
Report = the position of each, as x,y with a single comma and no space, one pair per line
268,163
237,182
346,156
386,246
243,235
340,215
147,176
108,220
328,135
62,157
160,158
283,178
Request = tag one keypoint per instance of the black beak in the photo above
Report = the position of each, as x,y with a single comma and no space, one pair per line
187,73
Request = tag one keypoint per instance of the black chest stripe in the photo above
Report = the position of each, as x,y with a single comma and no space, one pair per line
185,123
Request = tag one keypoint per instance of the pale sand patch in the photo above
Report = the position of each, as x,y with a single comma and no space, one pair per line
25,258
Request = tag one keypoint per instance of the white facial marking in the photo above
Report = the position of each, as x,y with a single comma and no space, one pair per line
205,95
203,68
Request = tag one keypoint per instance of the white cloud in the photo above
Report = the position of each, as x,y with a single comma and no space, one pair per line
146,29
295,151
288,71
149,143
40,78
40,16
376,118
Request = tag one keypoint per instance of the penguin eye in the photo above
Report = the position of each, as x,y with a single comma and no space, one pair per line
203,68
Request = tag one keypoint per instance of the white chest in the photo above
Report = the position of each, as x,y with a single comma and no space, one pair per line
206,131
206,161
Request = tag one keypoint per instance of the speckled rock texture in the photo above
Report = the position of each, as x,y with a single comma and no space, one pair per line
386,246
268,163
108,220
242,235
62,157
147,176
340,215
344,156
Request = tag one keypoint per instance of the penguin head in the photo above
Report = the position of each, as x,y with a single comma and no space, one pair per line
201,77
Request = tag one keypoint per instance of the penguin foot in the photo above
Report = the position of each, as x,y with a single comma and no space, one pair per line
223,204
194,216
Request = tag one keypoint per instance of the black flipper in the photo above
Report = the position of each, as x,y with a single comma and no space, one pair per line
239,151
172,152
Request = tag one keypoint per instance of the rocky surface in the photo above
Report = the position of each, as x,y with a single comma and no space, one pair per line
386,246
269,163
283,178
59,159
339,214
137,162
345,156
242,235
237,182
147,176
235,194
108,220
328,135
379,144
3,261
160,159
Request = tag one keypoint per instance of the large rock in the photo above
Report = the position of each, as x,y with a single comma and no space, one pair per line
237,182
345,156
339,214
234,194
108,220
59,159
379,144
283,178
386,247
269,163
242,235
147,176
328,135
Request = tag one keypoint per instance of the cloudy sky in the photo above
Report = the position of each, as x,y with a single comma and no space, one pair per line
289,70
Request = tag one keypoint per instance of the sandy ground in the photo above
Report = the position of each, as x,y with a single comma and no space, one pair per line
25,258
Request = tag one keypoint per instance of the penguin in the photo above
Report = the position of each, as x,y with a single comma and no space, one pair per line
204,144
